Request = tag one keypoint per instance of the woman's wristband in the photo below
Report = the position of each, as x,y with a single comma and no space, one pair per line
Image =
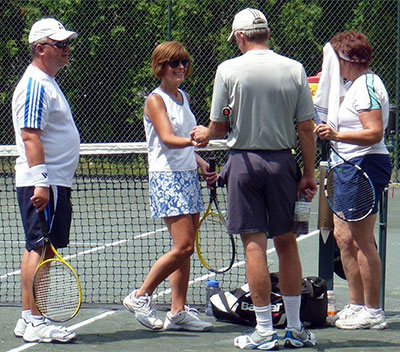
39,175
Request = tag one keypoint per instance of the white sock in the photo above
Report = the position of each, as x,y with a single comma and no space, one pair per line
373,311
37,319
264,319
292,309
26,315
356,307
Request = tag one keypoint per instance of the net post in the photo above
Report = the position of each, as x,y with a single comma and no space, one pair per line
383,213
325,226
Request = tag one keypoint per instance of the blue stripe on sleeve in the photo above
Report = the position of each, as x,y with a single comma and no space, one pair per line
33,104
27,100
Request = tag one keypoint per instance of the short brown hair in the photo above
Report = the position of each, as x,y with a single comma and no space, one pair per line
353,47
168,51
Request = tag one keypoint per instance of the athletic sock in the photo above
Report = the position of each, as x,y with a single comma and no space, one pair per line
37,319
292,309
26,315
373,311
356,307
264,319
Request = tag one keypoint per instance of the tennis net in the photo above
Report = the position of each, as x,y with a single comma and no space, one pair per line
114,241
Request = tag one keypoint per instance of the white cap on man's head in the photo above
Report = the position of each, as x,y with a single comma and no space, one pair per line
246,20
50,28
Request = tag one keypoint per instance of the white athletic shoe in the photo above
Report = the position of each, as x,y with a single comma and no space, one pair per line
45,332
20,328
256,341
349,311
186,320
143,309
363,320
299,338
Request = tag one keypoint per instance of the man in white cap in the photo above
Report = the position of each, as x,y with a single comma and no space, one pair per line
48,146
266,95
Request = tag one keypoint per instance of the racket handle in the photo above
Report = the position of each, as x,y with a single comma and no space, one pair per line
43,223
211,162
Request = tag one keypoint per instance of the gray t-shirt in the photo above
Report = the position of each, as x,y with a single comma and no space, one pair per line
267,93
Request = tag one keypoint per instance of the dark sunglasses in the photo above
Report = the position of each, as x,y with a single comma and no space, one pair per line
58,45
175,63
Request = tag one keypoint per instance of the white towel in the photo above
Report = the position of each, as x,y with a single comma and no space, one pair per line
330,89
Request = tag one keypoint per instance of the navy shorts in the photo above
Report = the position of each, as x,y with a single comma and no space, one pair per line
379,169
262,189
58,214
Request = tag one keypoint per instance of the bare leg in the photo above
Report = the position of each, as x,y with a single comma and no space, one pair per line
290,273
369,262
255,246
349,257
182,230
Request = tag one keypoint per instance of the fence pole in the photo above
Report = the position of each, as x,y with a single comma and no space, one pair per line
396,136
170,19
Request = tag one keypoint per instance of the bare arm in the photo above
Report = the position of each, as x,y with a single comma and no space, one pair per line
156,112
307,184
371,133
202,134
35,156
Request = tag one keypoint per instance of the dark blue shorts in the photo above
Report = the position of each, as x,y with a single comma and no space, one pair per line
58,214
262,188
378,168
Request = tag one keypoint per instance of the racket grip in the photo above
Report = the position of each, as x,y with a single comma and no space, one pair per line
43,223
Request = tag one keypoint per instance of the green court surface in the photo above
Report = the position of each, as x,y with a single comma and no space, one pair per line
106,329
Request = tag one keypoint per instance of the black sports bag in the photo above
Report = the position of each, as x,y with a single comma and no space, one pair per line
236,306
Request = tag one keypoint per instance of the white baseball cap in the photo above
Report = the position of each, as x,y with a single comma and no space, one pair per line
50,28
244,21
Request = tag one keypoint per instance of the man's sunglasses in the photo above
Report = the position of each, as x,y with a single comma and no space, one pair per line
175,63
58,45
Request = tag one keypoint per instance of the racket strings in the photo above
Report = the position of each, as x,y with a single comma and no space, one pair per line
351,196
215,244
56,290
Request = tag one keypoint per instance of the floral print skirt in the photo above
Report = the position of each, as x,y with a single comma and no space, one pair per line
174,193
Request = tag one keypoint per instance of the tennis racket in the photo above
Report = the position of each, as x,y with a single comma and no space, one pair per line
215,247
348,189
56,287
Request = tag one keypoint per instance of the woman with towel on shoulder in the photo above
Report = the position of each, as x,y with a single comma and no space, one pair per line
362,116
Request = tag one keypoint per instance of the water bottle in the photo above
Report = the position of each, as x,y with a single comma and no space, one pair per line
302,210
212,289
331,313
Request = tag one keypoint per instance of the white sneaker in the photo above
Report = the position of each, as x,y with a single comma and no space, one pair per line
256,341
363,320
143,309
20,328
186,320
45,332
349,311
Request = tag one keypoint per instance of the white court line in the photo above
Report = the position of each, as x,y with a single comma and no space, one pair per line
96,249
165,292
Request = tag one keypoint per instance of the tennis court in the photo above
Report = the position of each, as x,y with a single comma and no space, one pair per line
103,324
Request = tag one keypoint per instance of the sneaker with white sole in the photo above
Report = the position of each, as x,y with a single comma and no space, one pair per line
257,341
363,320
143,309
186,320
348,311
296,339
20,328
45,332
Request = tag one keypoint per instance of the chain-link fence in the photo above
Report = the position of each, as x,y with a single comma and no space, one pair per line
110,74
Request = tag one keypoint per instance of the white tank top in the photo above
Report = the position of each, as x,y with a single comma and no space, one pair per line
162,158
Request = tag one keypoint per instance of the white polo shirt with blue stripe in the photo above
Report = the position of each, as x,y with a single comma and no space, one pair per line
367,92
39,103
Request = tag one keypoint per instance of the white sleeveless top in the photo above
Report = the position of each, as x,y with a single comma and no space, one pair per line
160,157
